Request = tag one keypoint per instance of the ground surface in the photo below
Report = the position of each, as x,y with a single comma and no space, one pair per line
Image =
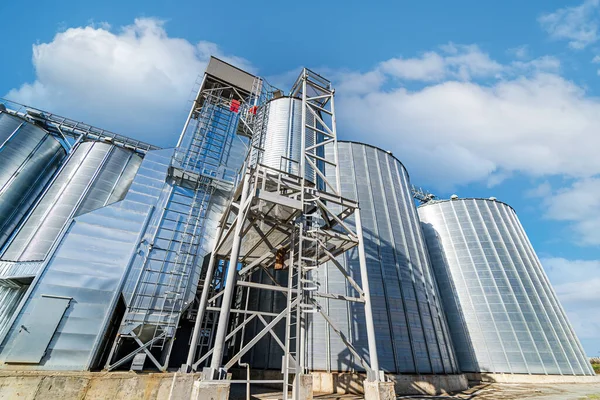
584,391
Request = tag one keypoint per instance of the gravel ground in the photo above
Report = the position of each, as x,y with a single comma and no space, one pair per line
494,391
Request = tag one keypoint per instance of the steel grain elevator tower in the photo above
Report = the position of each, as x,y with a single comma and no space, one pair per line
286,214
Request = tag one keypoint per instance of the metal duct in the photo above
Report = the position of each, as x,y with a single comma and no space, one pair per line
29,156
503,314
95,175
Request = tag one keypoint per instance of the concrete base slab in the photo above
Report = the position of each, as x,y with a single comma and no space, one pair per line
352,383
534,379
379,390
303,385
210,390
429,384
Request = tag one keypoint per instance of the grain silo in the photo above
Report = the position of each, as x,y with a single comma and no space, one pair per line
280,144
410,328
503,314
94,175
28,157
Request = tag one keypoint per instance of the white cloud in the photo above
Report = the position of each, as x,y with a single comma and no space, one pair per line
576,283
135,81
462,62
473,119
578,25
457,132
520,52
429,67
544,189
578,204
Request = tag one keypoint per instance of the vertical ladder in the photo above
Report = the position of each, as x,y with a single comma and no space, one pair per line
301,285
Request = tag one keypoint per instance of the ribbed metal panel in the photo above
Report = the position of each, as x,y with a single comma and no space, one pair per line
503,314
28,158
281,141
10,297
95,175
90,266
412,336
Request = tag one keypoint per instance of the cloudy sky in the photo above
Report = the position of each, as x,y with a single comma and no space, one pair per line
476,98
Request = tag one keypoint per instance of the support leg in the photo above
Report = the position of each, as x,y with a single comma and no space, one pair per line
369,325
230,280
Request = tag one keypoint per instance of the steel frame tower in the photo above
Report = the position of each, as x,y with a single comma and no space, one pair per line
279,220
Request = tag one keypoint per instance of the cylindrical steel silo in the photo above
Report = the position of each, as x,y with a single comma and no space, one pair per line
412,336
503,314
280,143
29,156
94,175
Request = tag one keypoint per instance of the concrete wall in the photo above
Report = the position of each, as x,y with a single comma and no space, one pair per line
33,385
39,385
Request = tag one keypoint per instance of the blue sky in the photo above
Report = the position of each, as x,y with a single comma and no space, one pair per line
476,98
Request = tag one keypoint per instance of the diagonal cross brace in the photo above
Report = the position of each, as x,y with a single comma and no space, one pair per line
260,334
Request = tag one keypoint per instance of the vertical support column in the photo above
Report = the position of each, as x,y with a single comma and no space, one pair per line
373,359
202,306
338,185
231,278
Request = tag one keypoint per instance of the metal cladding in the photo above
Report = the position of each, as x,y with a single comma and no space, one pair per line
96,174
280,144
504,316
10,297
90,267
412,336
28,157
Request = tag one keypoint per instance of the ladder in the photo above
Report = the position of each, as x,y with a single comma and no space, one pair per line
185,262
301,285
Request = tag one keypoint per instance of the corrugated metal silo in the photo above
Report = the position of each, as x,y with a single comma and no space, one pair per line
280,143
412,336
28,157
503,314
95,174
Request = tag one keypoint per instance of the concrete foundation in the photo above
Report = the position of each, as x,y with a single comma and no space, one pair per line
533,379
379,390
38,385
429,384
352,383
211,390
303,384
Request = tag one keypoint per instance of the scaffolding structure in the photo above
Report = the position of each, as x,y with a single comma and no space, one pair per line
278,220
173,248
